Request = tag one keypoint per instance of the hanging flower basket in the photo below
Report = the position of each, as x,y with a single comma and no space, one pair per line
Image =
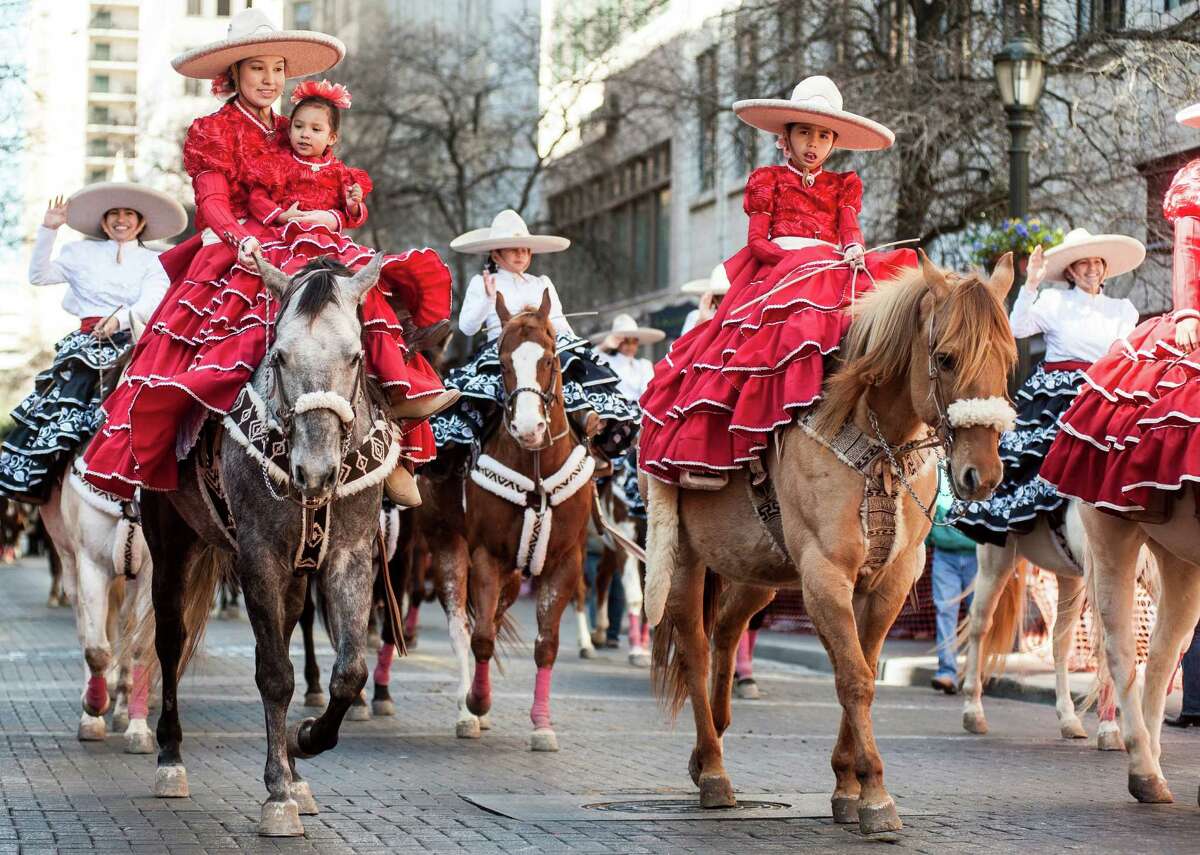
989,241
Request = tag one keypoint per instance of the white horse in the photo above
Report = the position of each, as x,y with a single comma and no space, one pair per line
107,575
997,609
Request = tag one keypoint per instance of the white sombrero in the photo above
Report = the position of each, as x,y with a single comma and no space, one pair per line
507,231
717,283
1189,116
1121,253
164,216
624,326
251,33
815,100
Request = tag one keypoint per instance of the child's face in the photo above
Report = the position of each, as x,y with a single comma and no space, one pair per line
809,145
515,260
310,131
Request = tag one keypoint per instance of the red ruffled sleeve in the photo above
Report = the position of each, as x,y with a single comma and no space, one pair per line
849,207
759,204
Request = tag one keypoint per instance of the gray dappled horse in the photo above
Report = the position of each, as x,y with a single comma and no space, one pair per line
312,383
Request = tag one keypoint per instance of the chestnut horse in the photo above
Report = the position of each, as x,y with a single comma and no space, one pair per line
927,354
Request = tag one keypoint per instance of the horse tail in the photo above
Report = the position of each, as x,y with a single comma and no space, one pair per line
662,547
667,669
1009,617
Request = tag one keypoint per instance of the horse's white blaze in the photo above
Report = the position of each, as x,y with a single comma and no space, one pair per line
528,415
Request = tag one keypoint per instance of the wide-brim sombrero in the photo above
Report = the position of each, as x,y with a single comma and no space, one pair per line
164,216
507,231
717,284
251,33
623,327
1121,253
816,100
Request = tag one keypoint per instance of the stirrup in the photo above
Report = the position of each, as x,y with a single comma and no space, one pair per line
703,480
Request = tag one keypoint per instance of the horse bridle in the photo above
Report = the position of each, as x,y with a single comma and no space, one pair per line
545,395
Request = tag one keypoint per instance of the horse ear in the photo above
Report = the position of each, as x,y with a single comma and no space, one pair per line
364,280
1002,277
275,279
934,277
502,311
544,308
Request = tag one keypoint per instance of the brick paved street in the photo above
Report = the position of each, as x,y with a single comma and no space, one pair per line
398,784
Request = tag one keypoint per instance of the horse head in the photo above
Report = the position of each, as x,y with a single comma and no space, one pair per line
529,365
940,344
316,366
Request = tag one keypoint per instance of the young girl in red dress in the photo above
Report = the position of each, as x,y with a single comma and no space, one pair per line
728,384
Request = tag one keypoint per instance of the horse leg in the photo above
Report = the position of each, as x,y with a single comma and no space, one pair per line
555,588
741,603
138,738
314,696
1108,736
996,564
484,590
639,656
91,620
118,677
1070,601
1113,550
605,569
587,650
451,573
381,677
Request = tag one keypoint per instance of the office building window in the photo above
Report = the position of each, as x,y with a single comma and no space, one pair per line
1100,16
223,8
745,85
195,7
100,83
708,113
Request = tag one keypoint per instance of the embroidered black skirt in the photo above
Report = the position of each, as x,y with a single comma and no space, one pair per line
586,385
60,415
1022,497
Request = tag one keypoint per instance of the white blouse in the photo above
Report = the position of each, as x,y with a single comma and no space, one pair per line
98,285
1077,325
635,373
519,290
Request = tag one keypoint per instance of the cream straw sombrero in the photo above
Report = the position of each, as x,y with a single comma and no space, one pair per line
623,327
164,216
1121,253
1189,116
507,231
815,100
717,283
251,33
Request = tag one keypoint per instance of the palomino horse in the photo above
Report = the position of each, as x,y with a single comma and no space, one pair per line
1113,557
527,509
310,398
997,610
927,354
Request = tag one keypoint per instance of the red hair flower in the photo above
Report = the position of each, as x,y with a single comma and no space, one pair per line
335,93
223,86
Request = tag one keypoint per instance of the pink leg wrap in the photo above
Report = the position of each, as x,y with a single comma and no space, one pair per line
410,619
383,664
481,687
97,693
743,665
635,629
646,635
139,705
540,712
1107,707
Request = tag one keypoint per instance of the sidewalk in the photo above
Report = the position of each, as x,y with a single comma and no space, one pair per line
905,662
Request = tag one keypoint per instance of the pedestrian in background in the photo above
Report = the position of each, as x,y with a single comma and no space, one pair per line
1189,713
954,569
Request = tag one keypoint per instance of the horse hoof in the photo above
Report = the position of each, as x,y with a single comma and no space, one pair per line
359,711
139,742
1072,728
280,819
543,739
599,637
875,819
1109,740
315,699
639,660
974,722
716,792
92,729
170,782
293,739
467,728
302,794
1150,790
747,689
120,720
694,766
385,707
485,722
587,653
845,809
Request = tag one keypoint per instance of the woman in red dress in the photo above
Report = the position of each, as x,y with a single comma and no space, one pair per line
729,383
1129,440
210,331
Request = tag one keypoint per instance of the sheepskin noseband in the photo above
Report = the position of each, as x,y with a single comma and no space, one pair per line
993,412
325,401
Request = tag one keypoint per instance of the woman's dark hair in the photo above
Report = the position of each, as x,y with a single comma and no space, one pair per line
491,266
335,115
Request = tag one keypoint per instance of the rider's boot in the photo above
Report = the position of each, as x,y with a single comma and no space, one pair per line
401,487
425,406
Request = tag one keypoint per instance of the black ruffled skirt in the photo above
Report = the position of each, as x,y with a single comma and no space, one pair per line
61,414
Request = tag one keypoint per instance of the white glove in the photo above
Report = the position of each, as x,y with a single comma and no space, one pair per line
853,255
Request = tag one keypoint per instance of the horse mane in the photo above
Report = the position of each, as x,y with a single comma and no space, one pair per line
317,286
973,326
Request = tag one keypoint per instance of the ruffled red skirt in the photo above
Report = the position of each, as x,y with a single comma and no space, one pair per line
210,333
725,386
1131,433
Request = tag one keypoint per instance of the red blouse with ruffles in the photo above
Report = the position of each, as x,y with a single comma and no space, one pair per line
1181,206
283,178
780,204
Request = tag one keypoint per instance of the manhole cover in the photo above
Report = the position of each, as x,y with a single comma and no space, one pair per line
678,806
